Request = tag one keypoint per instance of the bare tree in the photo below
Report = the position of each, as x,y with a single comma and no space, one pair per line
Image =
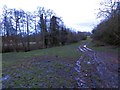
108,30
36,35
107,8
7,30
28,32
43,25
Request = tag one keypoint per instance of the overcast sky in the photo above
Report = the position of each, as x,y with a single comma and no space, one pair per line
78,14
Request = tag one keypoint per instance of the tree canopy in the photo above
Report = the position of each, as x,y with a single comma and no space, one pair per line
23,31
108,30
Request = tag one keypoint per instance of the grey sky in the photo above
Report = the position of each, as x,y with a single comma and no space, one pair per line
78,14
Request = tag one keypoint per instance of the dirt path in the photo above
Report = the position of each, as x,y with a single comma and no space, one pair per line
89,71
93,71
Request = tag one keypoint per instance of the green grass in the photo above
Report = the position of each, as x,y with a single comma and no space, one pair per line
51,71
67,51
41,73
106,48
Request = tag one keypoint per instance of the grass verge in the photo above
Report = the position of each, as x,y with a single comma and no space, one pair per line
44,68
67,51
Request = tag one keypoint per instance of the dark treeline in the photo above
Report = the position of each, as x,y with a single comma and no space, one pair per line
24,31
108,31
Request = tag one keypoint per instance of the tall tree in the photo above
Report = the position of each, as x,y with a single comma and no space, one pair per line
54,31
28,32
43,31
43,14
7,29
108,30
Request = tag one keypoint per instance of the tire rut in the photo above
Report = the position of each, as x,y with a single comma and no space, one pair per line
93,72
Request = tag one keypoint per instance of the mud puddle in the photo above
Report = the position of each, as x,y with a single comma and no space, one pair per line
93,72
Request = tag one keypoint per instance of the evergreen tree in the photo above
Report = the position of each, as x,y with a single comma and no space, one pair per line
54,31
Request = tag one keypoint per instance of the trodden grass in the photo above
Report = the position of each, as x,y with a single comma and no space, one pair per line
67,51
44,68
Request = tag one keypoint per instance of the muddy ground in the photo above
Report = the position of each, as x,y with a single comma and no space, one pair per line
97,69
41,72
91,70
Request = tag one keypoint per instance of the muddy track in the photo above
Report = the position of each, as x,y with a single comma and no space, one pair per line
89,71
93,71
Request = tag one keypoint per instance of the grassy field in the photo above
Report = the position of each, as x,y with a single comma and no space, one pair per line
46,68
106,48
67,51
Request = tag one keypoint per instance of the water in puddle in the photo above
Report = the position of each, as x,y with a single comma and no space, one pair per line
80,81
107,78
80,78
5,78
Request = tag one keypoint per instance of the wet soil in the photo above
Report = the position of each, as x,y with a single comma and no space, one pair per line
92,70
96,69
41,72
